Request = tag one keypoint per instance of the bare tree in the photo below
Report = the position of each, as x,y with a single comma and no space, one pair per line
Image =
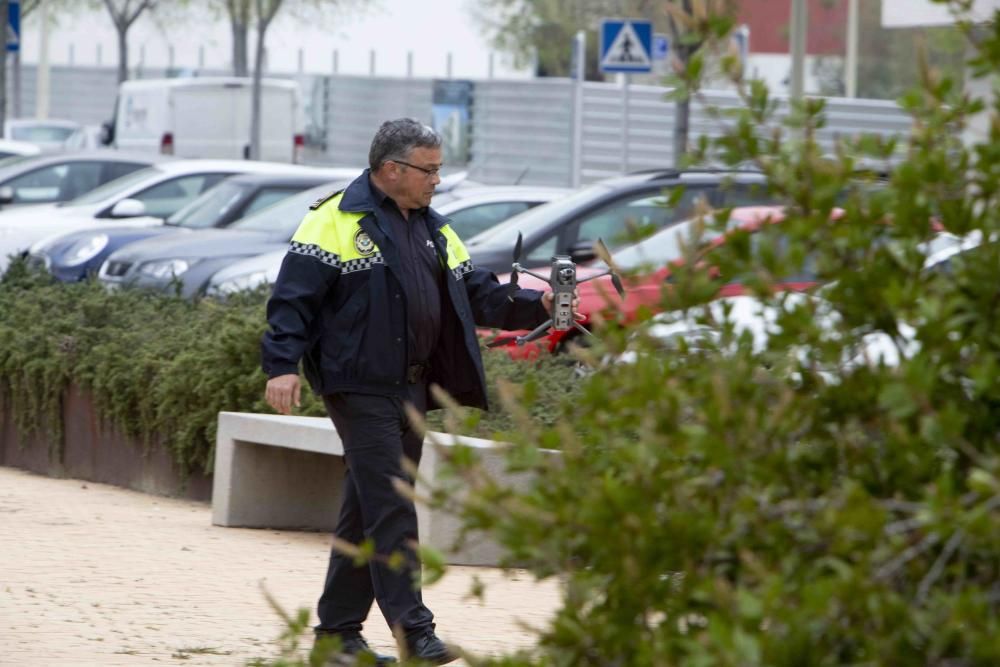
123,14
265,12
681,51
239,12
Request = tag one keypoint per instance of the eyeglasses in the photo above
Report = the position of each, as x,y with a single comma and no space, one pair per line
430,173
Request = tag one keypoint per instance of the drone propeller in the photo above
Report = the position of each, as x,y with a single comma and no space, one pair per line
604,255
517,258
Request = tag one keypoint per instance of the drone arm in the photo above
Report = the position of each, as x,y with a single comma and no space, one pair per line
518,268
598,275
538,332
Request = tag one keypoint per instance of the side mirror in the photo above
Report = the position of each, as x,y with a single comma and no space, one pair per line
128,208
582,252
107,133
6,195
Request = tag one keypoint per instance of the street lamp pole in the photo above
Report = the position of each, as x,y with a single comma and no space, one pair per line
799,27
851,61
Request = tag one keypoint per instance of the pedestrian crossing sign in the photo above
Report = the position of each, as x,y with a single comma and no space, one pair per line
626,45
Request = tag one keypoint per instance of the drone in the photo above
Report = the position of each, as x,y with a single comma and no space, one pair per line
563,281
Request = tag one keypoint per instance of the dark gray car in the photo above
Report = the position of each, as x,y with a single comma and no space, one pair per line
185,261
615,210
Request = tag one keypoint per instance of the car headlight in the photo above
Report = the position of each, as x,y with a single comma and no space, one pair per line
165,269
85,249
246,281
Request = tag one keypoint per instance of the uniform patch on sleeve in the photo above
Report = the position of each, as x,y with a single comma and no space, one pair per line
324,199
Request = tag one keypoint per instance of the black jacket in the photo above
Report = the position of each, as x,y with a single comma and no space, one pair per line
338,304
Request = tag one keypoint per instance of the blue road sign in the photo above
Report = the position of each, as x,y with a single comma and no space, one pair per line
14,25
661,46
626,45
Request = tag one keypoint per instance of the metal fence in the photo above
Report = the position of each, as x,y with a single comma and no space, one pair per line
528,128
541,131
355,107
84,94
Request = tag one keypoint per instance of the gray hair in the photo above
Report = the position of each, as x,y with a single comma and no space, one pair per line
396,138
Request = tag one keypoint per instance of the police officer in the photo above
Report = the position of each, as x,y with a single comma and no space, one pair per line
378,298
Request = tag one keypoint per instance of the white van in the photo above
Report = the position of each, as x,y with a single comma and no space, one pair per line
207,118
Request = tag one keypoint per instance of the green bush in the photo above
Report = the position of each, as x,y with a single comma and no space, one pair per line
161,368
739,504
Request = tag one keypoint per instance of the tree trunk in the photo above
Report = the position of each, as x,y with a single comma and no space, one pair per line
240,46
682,108
17,70
258,67
682,115
122,53
3,68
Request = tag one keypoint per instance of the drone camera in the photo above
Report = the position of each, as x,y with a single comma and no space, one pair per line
563,280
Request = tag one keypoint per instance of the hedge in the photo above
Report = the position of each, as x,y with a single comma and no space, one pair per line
161,368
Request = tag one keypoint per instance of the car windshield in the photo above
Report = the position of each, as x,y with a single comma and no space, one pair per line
442,198
208,208
283,216
667,245
14,160
43,133
505,234
113,188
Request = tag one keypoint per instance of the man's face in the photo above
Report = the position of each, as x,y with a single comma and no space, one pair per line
416,187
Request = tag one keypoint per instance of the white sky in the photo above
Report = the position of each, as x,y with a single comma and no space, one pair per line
430,29
910,13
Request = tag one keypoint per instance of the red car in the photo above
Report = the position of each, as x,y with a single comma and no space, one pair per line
648,263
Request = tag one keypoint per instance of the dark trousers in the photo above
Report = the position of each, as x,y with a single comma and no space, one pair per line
376,435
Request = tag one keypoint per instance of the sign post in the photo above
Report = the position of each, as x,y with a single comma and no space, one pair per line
578,73
661,50
14,46
626,47
13,26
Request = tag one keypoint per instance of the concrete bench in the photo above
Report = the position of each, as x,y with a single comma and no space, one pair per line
285,472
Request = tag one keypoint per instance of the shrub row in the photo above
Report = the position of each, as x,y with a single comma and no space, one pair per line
161,368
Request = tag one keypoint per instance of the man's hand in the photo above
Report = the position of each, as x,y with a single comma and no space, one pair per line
283,392
548,298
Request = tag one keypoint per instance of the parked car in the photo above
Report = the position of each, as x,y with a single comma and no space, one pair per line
75,255
150,194
760,319
16,149
207,117
469,207
189,260
612,210
648,265
46,179
474,209
48,135
87,137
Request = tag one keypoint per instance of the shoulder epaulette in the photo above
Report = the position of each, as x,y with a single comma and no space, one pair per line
324,199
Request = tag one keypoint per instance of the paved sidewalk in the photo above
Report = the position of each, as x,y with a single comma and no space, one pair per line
97,575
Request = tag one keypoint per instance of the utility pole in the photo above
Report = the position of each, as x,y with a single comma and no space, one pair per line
851,61
42,75
3,65
799,28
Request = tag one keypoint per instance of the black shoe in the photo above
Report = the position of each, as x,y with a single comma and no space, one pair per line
426,646
354,650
